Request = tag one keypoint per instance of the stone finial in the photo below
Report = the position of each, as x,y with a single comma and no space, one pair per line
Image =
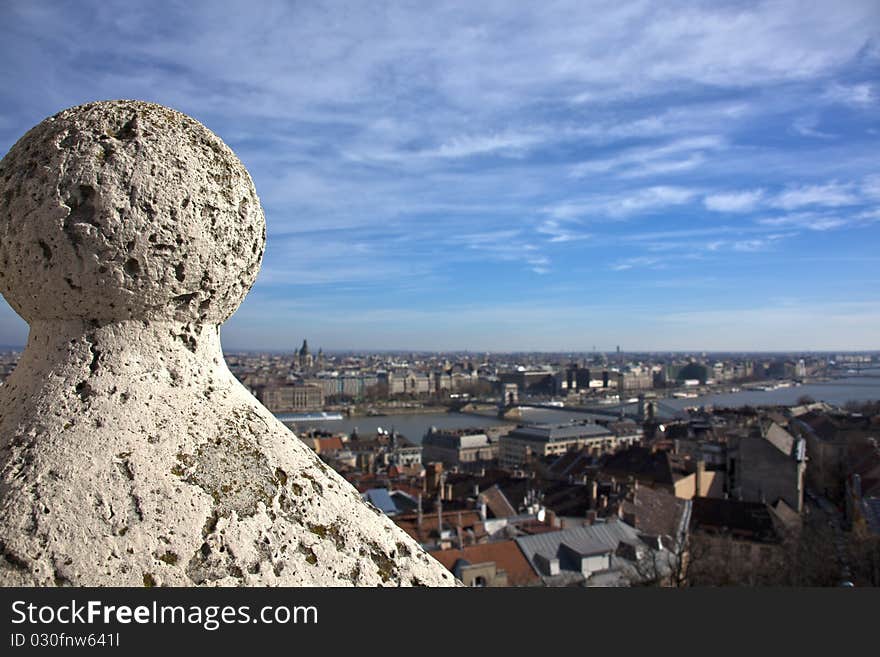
130,454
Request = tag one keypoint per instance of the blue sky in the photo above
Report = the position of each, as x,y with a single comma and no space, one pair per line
512,176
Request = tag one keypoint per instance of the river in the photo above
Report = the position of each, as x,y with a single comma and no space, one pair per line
838,392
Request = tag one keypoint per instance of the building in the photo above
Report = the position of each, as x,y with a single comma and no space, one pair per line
655,512
690,372
635,380
863,488
283,398
586,379
531,382
403,453
767,465
346,385
526,442
458,448
442,382
665,470
491,564
443,529
828,439
304,359
328,446
604,554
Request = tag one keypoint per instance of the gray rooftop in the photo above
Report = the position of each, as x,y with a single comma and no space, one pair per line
602,538
381,499
545,433
593,539
455,441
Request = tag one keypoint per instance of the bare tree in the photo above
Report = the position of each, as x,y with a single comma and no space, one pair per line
863,551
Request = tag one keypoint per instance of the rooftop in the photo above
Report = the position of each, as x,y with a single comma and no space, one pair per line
558,432
505,554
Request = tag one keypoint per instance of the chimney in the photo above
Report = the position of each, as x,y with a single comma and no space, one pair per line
631,490
701,469
439,518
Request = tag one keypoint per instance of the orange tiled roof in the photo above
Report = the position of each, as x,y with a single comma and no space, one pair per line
505,554
333,444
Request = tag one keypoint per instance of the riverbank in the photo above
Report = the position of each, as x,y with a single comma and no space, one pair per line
391,411
414,422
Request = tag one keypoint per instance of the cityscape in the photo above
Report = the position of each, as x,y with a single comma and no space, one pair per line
600,469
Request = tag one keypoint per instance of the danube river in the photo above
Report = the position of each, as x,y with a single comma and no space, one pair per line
865,387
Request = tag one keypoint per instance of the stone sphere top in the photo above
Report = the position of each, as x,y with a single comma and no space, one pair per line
123,209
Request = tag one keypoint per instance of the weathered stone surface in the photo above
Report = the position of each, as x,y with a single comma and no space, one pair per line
130,454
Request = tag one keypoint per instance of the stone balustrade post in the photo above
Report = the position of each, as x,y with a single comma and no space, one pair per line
130,455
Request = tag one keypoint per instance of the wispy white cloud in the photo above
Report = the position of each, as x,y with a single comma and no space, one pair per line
480,145
821,221
808,126
683,233
507,245
693,117
623,204
506,144
539,264
671,157
659,196
794,197
831,195
637,262
744,201
870,187
856,95
490,239
750,246
559,233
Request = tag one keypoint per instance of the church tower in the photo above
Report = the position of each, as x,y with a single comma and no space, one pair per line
304,357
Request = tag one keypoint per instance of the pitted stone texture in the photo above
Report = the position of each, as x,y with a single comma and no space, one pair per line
125,209
130,454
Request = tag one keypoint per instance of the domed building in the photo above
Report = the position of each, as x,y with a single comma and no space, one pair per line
304,357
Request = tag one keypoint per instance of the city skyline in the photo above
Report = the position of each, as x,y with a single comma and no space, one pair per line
493,179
